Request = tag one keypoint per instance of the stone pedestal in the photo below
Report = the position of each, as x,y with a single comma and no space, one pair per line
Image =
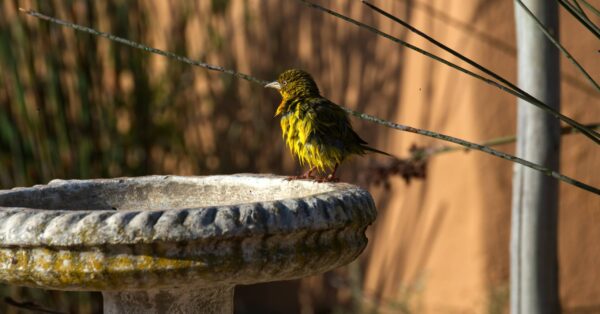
170,300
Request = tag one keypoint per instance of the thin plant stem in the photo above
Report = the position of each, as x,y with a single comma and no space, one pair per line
591,7
363,116
587,23
588,133
144,47
567,130
474,146
557,44
580,9
477,65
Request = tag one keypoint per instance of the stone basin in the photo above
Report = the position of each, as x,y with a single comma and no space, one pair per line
173,244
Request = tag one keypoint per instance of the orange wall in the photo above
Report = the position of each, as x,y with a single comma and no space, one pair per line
438,246
442,244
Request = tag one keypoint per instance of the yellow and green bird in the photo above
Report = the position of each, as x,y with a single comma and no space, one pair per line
315,129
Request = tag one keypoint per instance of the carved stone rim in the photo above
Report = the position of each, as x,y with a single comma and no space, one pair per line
20,226
158,241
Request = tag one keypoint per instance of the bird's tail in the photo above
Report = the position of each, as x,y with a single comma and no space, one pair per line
374,150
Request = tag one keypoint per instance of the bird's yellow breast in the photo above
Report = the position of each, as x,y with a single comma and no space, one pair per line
300,132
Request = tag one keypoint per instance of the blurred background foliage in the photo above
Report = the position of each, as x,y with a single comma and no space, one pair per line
77,106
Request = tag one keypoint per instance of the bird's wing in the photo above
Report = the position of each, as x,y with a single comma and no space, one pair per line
332,121
332,127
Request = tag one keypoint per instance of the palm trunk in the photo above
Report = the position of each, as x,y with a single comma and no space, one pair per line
534,265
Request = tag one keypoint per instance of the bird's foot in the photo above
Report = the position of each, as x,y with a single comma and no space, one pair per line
306,175
292,178
330,178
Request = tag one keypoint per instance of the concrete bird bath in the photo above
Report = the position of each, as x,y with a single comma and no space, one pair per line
170,244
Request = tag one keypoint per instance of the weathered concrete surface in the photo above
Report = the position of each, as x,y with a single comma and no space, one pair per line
168,229
145,241
174,300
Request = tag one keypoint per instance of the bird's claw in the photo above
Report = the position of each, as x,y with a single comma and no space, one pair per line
329,178
309,175
306,175
301,177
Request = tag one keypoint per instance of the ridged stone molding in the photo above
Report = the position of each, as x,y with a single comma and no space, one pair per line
173,244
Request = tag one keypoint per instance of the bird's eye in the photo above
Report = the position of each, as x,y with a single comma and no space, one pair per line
284,82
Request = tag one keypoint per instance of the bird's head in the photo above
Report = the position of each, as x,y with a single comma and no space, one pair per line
295,83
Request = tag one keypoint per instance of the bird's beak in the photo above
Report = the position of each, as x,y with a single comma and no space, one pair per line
274,85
